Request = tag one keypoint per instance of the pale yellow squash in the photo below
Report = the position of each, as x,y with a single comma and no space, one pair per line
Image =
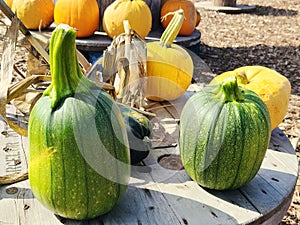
9,3
272,87
169,66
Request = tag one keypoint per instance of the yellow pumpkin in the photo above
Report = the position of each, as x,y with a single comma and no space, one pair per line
137,12
9,3
272,87
169,66
34,14
81,14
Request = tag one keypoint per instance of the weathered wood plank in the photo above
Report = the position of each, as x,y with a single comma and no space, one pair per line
192,202
213,207
280,142
13,147
138,205
164,127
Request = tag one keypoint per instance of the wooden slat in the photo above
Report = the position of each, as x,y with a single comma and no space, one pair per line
13,147
192,202
138,204
165,129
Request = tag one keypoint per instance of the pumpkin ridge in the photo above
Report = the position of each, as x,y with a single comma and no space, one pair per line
58,154
63,161
262,113
49,143
39,177
254,167
211,134
196,165
238,121
222,139
242,120
85,164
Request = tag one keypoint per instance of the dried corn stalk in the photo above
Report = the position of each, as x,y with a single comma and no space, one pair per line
124,65
7,71
17,93
6,76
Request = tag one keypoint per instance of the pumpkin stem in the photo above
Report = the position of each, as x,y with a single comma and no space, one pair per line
173,28
64,67
229,90
242,78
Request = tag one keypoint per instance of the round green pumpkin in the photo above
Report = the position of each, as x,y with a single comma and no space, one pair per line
224,134
79,162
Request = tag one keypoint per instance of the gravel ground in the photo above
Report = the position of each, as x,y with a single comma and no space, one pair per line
268,36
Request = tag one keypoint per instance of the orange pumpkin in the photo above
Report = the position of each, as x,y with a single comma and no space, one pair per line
190,15
81,14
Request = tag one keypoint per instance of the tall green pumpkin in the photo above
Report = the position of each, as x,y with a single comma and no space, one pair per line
224,134
79,162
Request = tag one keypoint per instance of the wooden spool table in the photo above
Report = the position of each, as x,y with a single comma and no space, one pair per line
160,191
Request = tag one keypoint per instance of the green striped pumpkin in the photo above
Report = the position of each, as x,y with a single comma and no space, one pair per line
79,162
224,134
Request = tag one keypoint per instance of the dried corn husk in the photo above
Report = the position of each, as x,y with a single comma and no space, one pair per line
7,71
124,66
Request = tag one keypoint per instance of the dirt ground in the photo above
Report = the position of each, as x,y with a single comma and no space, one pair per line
268,36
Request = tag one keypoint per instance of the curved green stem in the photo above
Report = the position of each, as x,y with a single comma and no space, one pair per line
242,78
64,67
173,28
